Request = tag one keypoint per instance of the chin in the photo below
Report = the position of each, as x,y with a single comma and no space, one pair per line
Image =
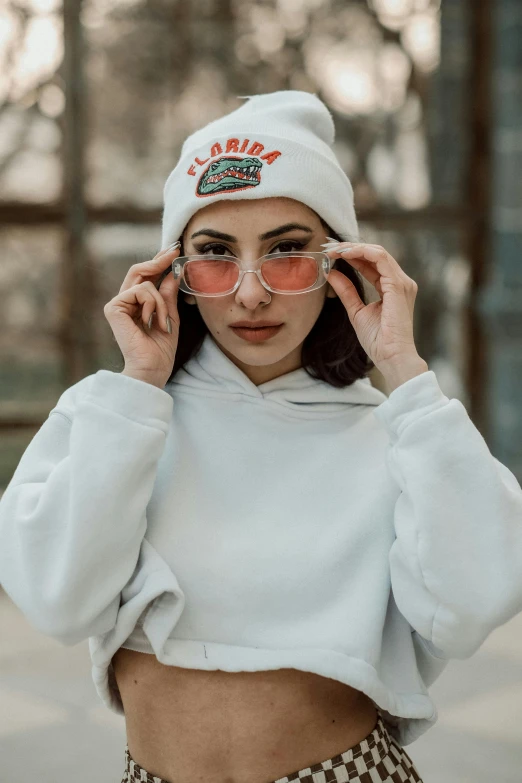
260,358
255,354
259,353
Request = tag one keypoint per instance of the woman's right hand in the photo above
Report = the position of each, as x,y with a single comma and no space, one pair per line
148,353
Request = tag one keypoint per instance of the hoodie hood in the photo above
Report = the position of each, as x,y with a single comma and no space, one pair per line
211,372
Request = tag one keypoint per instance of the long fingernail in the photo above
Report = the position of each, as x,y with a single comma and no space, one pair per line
150,321
174,246
169,325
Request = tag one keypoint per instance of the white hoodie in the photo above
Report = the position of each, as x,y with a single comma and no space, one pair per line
222,525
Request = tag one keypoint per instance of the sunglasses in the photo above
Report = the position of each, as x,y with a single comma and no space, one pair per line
280,273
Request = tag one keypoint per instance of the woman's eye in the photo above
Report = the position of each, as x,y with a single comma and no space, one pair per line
221,250
216,249
291,244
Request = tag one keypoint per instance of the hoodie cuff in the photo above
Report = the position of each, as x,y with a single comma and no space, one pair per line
409,401
130,397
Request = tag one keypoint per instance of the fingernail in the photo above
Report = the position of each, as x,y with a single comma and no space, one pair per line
169,325
333,240
174,245
150,321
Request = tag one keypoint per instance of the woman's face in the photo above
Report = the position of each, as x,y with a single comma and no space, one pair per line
245,220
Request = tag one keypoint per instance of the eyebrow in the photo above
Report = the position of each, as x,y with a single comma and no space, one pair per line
275,232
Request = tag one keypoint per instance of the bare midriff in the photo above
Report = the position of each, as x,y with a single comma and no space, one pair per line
197,726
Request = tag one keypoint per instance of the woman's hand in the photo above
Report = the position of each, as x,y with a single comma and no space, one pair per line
148,352
384,328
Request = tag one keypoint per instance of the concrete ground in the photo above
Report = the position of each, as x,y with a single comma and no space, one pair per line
54,729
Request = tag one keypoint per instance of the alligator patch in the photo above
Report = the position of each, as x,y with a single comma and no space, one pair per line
230,172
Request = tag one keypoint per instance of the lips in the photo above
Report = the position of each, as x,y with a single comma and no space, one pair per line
260,325
257,335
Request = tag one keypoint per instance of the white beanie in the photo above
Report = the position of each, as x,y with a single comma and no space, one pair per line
276,144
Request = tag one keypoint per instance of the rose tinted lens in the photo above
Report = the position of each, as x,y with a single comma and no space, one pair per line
211,277
293,273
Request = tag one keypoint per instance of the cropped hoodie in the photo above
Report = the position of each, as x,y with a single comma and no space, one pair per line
217,524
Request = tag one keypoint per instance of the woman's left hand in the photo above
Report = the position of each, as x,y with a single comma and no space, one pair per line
384,328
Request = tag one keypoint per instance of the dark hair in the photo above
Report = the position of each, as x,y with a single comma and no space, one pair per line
331,351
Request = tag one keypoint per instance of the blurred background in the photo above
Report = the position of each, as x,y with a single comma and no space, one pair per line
96,99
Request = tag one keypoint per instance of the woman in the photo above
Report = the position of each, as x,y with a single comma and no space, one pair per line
272,560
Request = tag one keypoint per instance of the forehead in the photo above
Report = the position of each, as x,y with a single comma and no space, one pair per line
249,213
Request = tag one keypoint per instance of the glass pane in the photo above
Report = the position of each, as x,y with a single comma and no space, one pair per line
434,259
14,443
113,250
32,100
134,124
30,354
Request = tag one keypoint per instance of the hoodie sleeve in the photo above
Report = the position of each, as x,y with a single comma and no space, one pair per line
72,518
456,561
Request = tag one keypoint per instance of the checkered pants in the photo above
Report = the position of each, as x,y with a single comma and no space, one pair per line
376,759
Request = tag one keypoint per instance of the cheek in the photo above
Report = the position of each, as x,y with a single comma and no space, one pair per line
214,309
316,302
305,308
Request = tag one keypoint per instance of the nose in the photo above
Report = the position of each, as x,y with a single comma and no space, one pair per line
251,292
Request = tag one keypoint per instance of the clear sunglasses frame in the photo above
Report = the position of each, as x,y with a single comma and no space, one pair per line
324,264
